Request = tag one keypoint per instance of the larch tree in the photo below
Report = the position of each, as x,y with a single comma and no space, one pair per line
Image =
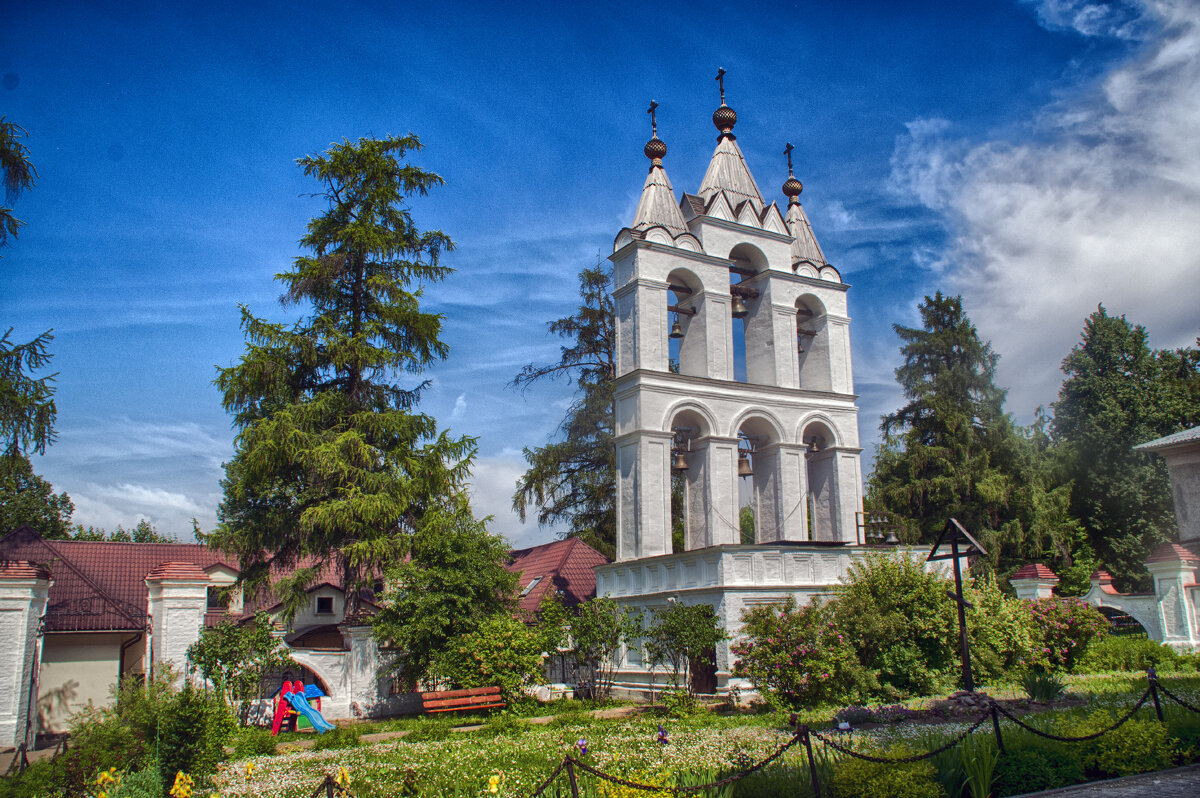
573,480
1119,393
334,467
17,172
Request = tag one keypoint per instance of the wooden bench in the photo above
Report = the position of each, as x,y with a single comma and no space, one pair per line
462,700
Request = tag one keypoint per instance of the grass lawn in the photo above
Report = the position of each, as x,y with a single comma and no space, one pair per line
442,762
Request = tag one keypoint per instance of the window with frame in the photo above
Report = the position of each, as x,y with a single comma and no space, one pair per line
324,605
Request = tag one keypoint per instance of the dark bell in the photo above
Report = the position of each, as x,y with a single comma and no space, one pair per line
744,469
739,308
680,462
676,330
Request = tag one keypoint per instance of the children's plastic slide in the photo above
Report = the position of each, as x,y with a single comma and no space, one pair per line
301,705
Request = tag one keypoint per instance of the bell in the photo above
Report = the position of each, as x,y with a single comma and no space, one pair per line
892,540
744,469
680,461
799,345
676,329
739,307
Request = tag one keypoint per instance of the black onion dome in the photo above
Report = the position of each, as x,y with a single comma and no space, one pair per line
792,187
655,148
725,118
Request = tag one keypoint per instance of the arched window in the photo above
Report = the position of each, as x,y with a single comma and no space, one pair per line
758,480
822,499
689,462
752,331
812,345
686,346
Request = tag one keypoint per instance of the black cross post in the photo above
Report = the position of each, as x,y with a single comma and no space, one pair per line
955,536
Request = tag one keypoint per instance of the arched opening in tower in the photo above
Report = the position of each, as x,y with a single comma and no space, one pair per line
686,350
751,329
758,482
812,345
689,472
821,499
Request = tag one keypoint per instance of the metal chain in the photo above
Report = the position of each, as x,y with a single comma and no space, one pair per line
904,759
550,779
730,779
1145,697
1176,698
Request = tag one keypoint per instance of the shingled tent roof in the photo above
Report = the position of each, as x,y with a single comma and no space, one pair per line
100,585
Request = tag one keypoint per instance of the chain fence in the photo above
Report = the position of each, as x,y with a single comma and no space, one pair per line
572,765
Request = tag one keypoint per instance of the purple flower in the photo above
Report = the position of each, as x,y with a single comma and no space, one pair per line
662,735
581,744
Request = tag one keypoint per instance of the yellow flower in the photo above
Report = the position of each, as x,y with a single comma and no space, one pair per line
343,777
495,781
182,787
106,777
249,769
102,794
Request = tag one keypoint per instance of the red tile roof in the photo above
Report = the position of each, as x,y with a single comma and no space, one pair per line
1033,571
1173,552
567,566
100,585
21,569
176,570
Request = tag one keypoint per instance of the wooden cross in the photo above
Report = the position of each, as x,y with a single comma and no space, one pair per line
788,152
956,535
721,81
653,121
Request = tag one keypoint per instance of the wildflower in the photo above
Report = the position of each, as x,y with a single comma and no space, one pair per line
581,744
249,769
494,782
183,786
662,735
343,777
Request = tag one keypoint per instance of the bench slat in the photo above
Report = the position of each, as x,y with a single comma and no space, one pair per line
474,691
462,700
459,709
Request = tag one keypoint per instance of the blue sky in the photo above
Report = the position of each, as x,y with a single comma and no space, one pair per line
1038,157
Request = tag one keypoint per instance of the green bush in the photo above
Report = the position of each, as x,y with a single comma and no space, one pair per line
857,778
503,651
1035,766
1138,746
1043,686
142,784
1127,654
798,657
253,741
1001,630
902,626
193,731
340,737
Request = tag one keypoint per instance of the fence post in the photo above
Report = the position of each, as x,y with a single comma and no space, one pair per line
996,727
812,763
328,786
1152,676
571,778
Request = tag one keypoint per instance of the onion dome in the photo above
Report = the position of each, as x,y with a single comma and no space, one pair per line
655,149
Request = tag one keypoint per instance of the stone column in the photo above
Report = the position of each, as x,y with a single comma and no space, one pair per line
178,597
362,669
1174,569
1034,581
23,591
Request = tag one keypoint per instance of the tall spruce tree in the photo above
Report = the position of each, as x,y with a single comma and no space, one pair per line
573,480
1119,393
952,452
333,465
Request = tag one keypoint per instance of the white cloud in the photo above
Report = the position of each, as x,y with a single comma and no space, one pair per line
492,485
460,407
1111,18
171,513
1101,207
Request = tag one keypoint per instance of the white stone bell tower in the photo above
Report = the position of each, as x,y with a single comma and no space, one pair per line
725,259
733,372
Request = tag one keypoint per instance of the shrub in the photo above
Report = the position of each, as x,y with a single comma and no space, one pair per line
253,741
193,731
503,651
1034,766
798,657
1127,654
1067,626
142,784
977,756
902,626
1001,630
1137,746
340,737
683,637
857,778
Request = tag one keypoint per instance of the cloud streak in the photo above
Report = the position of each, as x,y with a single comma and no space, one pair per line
1098,205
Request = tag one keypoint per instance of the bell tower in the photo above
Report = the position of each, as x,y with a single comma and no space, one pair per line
732,364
